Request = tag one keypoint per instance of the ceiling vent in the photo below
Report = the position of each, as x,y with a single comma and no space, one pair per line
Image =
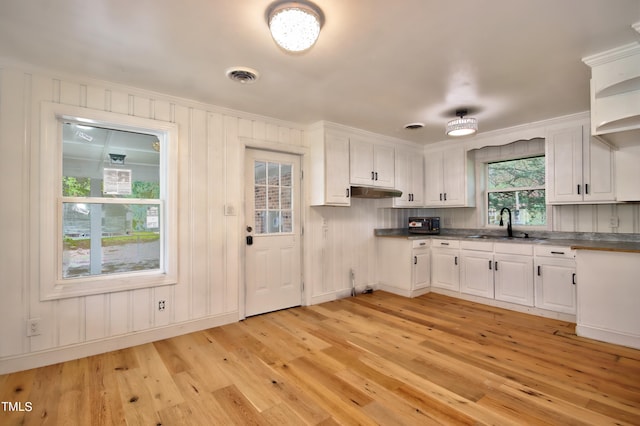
242,75
414,126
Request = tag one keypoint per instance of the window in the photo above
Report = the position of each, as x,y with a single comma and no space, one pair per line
273,202
108,212
518,185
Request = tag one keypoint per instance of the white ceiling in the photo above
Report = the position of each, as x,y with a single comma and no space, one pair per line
378,64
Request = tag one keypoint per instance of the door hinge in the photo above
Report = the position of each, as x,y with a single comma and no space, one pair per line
301,174
301,230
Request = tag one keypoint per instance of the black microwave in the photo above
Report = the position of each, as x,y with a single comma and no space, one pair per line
424,225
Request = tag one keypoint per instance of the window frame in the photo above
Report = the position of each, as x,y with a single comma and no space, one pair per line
52,285
485,199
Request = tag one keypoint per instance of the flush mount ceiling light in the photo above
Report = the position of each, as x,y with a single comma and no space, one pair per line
295,26
462,126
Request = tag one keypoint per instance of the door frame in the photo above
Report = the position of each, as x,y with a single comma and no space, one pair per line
303,153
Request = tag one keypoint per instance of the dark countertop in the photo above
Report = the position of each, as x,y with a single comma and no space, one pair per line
563,239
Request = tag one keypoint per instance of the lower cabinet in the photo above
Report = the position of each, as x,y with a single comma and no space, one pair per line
445,264
404,266
555,279
514,279
476,269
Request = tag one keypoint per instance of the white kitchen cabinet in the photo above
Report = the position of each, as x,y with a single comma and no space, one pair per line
608,294
329,167
403,265
580,169
449,180
371,164
555,279
513,273
476,268
627,161
409,178
615,90
445,264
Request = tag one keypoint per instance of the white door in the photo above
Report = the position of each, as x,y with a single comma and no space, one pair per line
273,232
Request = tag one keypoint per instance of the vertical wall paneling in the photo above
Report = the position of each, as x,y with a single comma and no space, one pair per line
119,313
69,93
119,102
95,317
11,218
42,89
95,98
245,128
272,132
216,227
259,130
234,167
198,214
142,107
164,317
182,301
141,309
69,329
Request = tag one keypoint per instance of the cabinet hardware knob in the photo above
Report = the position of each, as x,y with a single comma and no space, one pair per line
347,192
495,266
444,244
573,278
489,265
376,176
586,189
415,260
578,189
557,252
372,175
539,270
455,260
445,196
441,196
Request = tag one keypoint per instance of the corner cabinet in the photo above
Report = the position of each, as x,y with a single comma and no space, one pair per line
403,265
580,169
329,167
371,164
449,178
409,178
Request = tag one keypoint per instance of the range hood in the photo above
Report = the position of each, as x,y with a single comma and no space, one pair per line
369,192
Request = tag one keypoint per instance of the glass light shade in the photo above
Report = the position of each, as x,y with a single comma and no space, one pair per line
294,26
462,126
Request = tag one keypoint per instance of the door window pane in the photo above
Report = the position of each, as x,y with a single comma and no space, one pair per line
273,197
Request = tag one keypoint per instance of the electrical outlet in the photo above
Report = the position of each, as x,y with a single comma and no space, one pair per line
614,221
33,327
161,305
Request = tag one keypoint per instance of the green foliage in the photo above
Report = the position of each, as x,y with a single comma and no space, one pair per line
76,187
521,173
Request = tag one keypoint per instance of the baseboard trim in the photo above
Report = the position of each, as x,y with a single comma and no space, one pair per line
608,336
68,353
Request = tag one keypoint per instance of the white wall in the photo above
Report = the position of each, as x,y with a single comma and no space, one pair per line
210,243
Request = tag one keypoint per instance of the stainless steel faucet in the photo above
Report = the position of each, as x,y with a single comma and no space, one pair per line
509,229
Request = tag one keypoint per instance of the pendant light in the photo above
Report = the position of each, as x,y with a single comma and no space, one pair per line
462,126
295,26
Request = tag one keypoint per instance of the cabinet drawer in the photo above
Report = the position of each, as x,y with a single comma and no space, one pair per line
426,243
561,252
437,242
477,245
513,248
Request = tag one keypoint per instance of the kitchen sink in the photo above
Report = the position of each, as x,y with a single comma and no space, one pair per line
503,237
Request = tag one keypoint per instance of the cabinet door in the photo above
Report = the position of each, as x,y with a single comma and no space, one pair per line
555,285
384,166
433,179
417,180
476,273
444,269
564,165
421,269
514,279
361,162
598,171
403,178
337,170
453,164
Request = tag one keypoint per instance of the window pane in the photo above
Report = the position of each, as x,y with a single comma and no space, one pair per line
285,198
527,207
274,174
260,197
128,238
98,161
274,197
287,221
274,222
521,173
260,169
261,222
286,174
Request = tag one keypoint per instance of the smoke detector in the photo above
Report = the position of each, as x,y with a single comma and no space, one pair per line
414,126
242,75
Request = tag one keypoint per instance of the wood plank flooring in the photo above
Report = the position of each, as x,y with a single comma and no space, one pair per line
370,359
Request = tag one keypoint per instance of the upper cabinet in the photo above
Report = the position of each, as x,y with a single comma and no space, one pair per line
371,164
409,178
449,178
615,94
329,167
579,167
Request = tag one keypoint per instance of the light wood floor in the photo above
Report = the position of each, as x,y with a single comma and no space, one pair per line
372,359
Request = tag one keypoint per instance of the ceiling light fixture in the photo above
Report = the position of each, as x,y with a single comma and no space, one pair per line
295,26
462,126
